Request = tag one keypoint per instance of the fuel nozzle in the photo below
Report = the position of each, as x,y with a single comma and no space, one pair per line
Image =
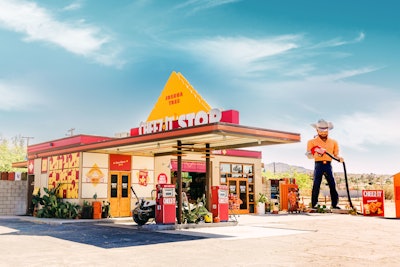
317,149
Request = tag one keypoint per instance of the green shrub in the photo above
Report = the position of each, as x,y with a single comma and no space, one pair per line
51,206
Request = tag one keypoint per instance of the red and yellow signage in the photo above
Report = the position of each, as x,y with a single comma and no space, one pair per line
181,106
64,170
373,202
178,97
120,162
44,165
143,177
95,175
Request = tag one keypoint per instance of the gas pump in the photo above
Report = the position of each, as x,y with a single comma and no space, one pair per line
165,204
220,202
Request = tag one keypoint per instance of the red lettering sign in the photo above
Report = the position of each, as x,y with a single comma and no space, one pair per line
120,162
162,178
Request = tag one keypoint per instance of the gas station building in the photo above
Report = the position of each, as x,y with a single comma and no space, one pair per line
184,142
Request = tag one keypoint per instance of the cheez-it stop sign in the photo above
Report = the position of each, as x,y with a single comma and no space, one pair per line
162,178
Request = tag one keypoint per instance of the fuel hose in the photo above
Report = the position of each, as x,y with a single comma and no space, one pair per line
345,177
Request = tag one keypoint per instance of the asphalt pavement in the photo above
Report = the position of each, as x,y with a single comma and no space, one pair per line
305,239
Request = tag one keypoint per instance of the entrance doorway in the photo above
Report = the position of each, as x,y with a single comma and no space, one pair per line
120,195
193,184
238,187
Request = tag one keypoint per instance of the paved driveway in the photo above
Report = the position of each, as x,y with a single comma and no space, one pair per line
101,235
257,241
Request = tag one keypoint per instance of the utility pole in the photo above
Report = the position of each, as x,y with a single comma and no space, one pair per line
27,143
71,132
27,139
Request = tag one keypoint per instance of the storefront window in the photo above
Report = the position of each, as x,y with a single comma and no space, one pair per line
225,172
248,172
237,168
225,168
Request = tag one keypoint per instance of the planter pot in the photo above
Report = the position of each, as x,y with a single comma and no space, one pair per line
106,211
11,176
87,212
96,209
267,207
260,208
4,176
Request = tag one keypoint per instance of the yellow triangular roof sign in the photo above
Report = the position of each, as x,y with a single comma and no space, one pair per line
178,97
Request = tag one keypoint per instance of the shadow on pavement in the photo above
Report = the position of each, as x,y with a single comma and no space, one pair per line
93,234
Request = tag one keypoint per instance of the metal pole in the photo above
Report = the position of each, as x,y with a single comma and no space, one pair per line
27,143
71,132
208,177
179,181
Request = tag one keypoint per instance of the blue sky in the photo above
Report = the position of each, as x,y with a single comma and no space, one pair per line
99,67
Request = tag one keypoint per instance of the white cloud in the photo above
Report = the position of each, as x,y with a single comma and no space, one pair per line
360,37
343,74
241,54
73,6
286,55
38,24
15,96
361,129
197,5
338,41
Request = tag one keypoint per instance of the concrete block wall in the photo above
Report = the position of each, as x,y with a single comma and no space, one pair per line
13,197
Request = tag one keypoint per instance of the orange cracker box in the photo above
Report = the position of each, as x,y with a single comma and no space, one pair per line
373,201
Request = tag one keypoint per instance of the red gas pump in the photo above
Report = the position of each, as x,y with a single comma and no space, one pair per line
165,204
220,202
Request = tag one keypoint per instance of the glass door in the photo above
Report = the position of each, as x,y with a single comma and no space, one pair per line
119,193
238,187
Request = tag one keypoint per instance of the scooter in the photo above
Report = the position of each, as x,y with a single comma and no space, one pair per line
144,210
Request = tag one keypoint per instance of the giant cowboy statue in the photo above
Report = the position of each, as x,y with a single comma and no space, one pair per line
321,148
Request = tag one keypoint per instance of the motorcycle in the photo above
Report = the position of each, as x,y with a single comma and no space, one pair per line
144,210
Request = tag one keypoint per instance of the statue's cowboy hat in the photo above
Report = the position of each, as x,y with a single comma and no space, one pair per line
322,125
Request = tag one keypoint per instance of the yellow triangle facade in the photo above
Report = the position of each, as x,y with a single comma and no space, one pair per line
178,97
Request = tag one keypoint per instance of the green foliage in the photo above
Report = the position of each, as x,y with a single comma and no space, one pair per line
51,206
195,213
11,151
262,198
389,191
321,209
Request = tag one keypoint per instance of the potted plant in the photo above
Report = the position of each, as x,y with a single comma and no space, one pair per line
262,199
87,210
105,210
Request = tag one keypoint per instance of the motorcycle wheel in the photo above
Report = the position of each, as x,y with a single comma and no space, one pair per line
140,220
